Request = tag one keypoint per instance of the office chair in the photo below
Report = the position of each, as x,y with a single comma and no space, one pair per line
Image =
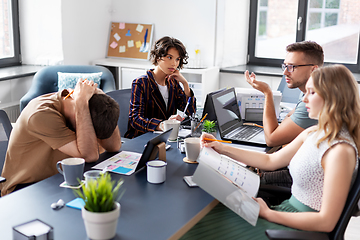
5,130
122,97
338,233
46,80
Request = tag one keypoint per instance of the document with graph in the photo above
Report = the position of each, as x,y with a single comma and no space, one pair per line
229,182
124,162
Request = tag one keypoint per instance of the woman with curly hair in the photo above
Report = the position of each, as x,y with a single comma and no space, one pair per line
157,95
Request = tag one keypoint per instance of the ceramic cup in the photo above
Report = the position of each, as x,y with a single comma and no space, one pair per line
192,148
174,124
156,171
91,175
72,169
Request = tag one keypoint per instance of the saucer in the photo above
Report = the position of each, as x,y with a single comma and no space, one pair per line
185,159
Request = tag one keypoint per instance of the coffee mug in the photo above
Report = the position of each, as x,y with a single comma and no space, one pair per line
156,171
174,124
72,169
192,148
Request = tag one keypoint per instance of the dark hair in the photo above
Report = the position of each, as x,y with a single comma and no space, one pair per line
162,46
104,113
313,51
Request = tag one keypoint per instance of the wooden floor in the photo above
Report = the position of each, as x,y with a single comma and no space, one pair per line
353,230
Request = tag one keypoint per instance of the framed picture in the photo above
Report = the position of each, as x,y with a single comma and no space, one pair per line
130,40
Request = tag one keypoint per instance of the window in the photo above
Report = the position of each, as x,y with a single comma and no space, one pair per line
334,24
9,33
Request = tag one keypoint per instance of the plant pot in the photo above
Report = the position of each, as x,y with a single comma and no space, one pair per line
212,133
101,225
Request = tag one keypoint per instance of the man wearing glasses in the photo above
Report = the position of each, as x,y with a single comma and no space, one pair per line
301,59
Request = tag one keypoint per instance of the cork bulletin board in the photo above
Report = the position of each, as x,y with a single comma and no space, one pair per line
130,40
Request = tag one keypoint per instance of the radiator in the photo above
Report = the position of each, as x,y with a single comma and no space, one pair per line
13,112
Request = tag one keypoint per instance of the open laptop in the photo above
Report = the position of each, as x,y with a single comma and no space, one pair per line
208,109
230,122
288,95
289,98
209,106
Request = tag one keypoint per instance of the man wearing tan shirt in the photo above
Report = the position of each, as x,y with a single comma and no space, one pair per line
53,127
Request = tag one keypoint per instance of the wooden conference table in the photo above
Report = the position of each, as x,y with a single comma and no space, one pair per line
148,211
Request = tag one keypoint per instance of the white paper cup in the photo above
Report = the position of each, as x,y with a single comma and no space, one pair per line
192,148
156,171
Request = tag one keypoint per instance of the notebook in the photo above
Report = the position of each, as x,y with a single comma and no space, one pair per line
230,122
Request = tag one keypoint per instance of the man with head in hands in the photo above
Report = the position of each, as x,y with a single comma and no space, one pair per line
56,126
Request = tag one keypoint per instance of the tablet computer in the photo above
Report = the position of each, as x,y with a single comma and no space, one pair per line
162,137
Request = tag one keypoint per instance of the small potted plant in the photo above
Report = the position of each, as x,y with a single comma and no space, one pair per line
209,127
102,209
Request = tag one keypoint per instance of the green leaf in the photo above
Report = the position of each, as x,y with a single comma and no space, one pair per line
100,195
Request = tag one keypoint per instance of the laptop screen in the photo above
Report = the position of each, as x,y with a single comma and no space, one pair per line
227,109
209,106
289,95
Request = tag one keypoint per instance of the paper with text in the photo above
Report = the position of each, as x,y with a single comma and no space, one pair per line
124,162
229,182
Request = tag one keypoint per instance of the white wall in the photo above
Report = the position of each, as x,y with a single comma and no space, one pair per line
85,29
40,31
76,32
232,32
192,22
228,80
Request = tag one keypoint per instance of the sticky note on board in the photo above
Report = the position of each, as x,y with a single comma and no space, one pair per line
122,25
117,37
122,49
138,44
139,28
130,43
113,45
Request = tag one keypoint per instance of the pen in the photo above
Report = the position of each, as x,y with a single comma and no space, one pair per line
216,140
200,121
187,104
69,94
72,91
253,124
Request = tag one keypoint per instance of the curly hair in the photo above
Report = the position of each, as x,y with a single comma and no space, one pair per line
162,46
313,52
339,89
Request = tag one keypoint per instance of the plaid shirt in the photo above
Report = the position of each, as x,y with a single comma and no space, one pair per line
147,106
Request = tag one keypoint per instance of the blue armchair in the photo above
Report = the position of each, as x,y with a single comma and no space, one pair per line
46,80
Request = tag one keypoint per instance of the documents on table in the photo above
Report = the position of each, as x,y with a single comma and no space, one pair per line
124,162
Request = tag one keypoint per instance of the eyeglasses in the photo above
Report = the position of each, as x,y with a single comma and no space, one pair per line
291,68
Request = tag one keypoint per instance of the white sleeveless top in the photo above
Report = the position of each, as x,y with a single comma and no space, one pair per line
307,172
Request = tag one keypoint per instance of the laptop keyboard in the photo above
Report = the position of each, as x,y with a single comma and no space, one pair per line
244,133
